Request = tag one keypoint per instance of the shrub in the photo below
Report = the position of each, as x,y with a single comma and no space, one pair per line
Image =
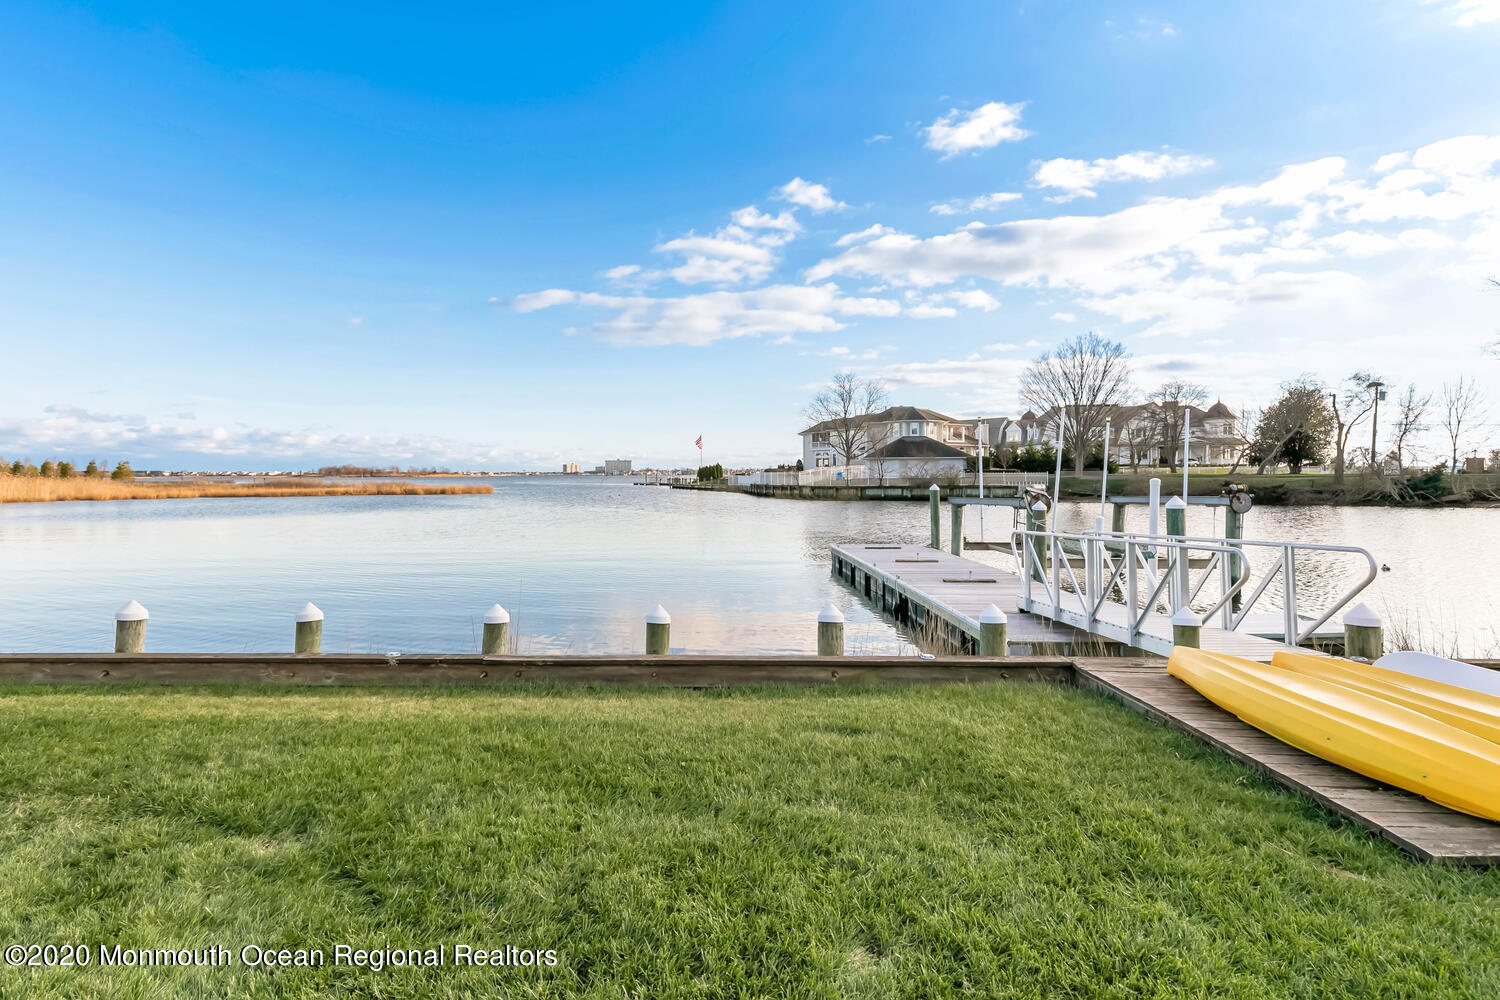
123,471
65,470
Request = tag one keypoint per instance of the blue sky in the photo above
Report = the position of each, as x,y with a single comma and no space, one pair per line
491,237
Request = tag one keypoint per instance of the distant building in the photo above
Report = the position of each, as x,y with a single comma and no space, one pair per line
571,469
617,466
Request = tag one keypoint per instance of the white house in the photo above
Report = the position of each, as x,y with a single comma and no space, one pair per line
897,442
1135,433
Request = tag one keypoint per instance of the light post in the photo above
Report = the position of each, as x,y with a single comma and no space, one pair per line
1377,387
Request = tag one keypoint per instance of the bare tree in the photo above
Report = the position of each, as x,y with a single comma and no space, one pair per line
1167,406
1244,427
1136,437
1463,406
1083,380
1357,399
842,410
1411,419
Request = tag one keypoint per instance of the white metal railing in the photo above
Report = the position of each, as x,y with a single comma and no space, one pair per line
1131,564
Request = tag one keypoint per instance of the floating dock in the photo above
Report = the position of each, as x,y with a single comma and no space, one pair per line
932,589
1423,829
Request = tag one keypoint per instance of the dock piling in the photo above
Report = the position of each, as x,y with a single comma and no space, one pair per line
496,630
658,632
130,628
1177,560
934,494
309,637
992,625
830,631
1186,629
1036,520
956,539
1364,634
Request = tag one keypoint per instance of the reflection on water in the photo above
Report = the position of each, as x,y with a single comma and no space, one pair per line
578,562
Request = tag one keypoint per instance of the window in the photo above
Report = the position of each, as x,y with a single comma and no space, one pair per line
914,429
822,462
820,437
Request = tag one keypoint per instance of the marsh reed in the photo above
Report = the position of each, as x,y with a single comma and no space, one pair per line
34,489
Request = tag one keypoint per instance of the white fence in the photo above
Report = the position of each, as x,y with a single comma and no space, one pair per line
859,475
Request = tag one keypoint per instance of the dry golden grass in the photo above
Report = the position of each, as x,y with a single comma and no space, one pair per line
34,489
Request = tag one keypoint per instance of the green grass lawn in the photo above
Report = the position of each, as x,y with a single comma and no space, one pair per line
996,841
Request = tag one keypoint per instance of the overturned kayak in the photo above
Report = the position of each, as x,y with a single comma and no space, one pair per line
1443,670
1461,708
1372,736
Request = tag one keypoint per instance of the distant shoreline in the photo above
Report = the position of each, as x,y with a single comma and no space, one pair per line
32,489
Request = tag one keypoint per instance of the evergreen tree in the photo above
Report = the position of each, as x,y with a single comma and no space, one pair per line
123,472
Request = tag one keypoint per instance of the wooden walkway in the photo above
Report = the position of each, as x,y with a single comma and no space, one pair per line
1423,829
911,582
914,583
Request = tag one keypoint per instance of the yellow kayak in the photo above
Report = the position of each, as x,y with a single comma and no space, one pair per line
1372,736
1471,711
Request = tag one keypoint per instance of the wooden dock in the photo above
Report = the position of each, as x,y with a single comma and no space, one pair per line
914,583
923,586
1421,828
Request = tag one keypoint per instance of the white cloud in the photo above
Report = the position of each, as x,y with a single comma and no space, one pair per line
863,234
974,298
69,432
1467,13
532,301
983,203
1078,178
1189,264
751,217
779,310
623,271
808,195
1065,317
926,311
879,137
986,126
1390,161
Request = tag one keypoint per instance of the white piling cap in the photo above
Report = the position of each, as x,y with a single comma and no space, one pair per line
310,613
131,612
1185,616
658,616
934,488
992,615
496,615
1039,505
830,614
1361,614
1176,503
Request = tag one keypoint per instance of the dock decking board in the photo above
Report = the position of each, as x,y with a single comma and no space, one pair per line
1423,829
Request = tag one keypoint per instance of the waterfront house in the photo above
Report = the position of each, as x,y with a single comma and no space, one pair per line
1140,434
906,440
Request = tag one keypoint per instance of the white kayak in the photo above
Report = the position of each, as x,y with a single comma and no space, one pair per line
1445,671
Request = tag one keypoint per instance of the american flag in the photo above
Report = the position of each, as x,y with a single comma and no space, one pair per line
699,442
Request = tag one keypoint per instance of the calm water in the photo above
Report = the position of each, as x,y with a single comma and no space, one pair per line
578,562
